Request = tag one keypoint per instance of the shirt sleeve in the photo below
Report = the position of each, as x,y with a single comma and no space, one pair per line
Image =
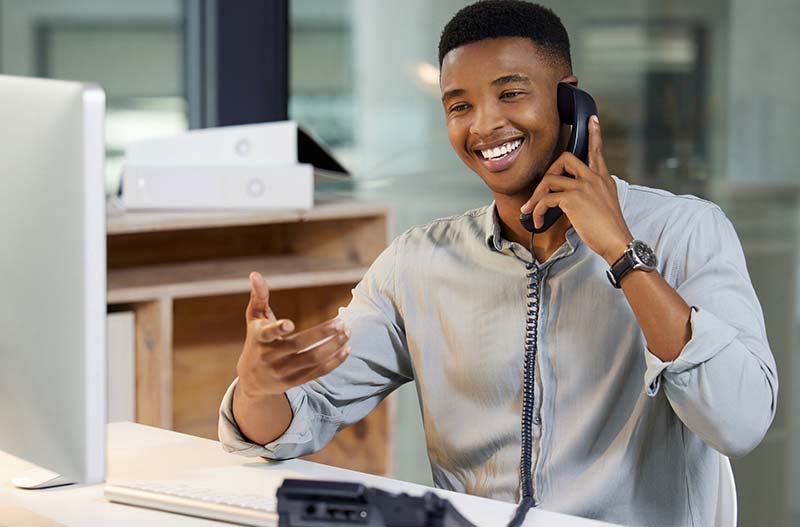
378,363
723,385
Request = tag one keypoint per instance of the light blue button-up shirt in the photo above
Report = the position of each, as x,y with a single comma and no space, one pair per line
623,436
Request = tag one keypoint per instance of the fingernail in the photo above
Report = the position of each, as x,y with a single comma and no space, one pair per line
286,325
338,324
596,120
347,332
523,209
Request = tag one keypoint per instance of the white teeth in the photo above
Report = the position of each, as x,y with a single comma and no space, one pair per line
492,153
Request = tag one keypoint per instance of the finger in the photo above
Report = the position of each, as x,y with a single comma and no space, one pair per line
308,338
569,164
258,306
270,331
315,372
549,183
547,202
597,162
291,364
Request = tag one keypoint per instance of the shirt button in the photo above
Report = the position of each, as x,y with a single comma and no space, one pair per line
537,420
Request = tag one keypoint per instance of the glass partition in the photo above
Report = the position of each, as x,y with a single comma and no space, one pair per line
134,50
694,97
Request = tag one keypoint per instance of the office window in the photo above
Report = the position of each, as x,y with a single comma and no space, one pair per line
322,95
694,97
134,50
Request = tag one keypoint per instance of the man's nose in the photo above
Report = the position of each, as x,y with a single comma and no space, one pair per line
486,120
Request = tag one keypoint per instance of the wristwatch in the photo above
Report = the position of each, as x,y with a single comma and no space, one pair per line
638,255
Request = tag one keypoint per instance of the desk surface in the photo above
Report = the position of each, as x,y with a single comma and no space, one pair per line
138,452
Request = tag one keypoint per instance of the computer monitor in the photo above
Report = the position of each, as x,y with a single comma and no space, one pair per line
52,278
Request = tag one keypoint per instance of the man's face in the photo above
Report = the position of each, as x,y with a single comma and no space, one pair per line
499,93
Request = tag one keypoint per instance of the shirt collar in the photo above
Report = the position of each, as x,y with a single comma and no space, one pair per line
493,234
491,227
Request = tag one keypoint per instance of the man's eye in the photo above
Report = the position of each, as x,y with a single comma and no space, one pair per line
458,108
511,94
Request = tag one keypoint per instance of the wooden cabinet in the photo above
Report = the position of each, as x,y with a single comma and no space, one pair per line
185,276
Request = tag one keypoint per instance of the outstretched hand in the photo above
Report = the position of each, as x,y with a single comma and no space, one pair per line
273,359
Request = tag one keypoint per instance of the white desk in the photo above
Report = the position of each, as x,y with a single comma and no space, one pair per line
138,452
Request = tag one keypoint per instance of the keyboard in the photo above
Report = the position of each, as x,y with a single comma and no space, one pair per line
192,499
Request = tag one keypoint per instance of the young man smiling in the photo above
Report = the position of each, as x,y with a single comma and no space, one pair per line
635,390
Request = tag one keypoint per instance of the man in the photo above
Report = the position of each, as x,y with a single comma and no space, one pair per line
635,390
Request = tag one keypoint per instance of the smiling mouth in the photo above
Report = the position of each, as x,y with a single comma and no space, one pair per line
499,152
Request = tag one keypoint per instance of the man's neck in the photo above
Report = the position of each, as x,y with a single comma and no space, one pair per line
544,244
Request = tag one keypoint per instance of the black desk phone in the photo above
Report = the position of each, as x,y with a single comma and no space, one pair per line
314,503
574,107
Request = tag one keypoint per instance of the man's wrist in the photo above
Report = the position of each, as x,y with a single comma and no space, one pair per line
253,396
616,250
638,255
263,419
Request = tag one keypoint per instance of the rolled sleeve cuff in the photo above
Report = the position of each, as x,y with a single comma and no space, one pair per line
298,433
710,335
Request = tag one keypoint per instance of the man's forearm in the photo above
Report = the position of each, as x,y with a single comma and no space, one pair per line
261,419
662,313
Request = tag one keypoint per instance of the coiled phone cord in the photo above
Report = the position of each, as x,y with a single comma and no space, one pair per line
528,394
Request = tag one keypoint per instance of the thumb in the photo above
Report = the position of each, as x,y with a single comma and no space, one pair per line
258,307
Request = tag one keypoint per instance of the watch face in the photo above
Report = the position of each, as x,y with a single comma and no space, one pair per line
644,254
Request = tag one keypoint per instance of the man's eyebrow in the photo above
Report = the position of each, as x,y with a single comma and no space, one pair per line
505,79
508,79
452,93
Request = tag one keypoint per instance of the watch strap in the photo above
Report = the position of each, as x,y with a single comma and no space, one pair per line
620,268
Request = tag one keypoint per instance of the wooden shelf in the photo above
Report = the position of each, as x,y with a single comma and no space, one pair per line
185,277
222,277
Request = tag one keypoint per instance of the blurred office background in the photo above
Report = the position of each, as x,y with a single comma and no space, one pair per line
694,97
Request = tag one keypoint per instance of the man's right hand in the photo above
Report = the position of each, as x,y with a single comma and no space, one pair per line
273,359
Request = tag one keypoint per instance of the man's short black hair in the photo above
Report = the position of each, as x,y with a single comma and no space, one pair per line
508,18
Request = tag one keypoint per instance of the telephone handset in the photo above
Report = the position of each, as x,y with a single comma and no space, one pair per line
574,107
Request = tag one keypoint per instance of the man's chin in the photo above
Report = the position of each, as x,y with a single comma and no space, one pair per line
510,186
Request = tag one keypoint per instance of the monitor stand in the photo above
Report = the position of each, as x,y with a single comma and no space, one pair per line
40,478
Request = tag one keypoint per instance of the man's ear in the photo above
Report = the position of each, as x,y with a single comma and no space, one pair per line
566,130
572,79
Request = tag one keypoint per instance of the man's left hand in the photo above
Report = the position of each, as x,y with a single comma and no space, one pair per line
589,200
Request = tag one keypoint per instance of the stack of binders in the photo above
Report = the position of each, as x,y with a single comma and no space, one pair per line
257,166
